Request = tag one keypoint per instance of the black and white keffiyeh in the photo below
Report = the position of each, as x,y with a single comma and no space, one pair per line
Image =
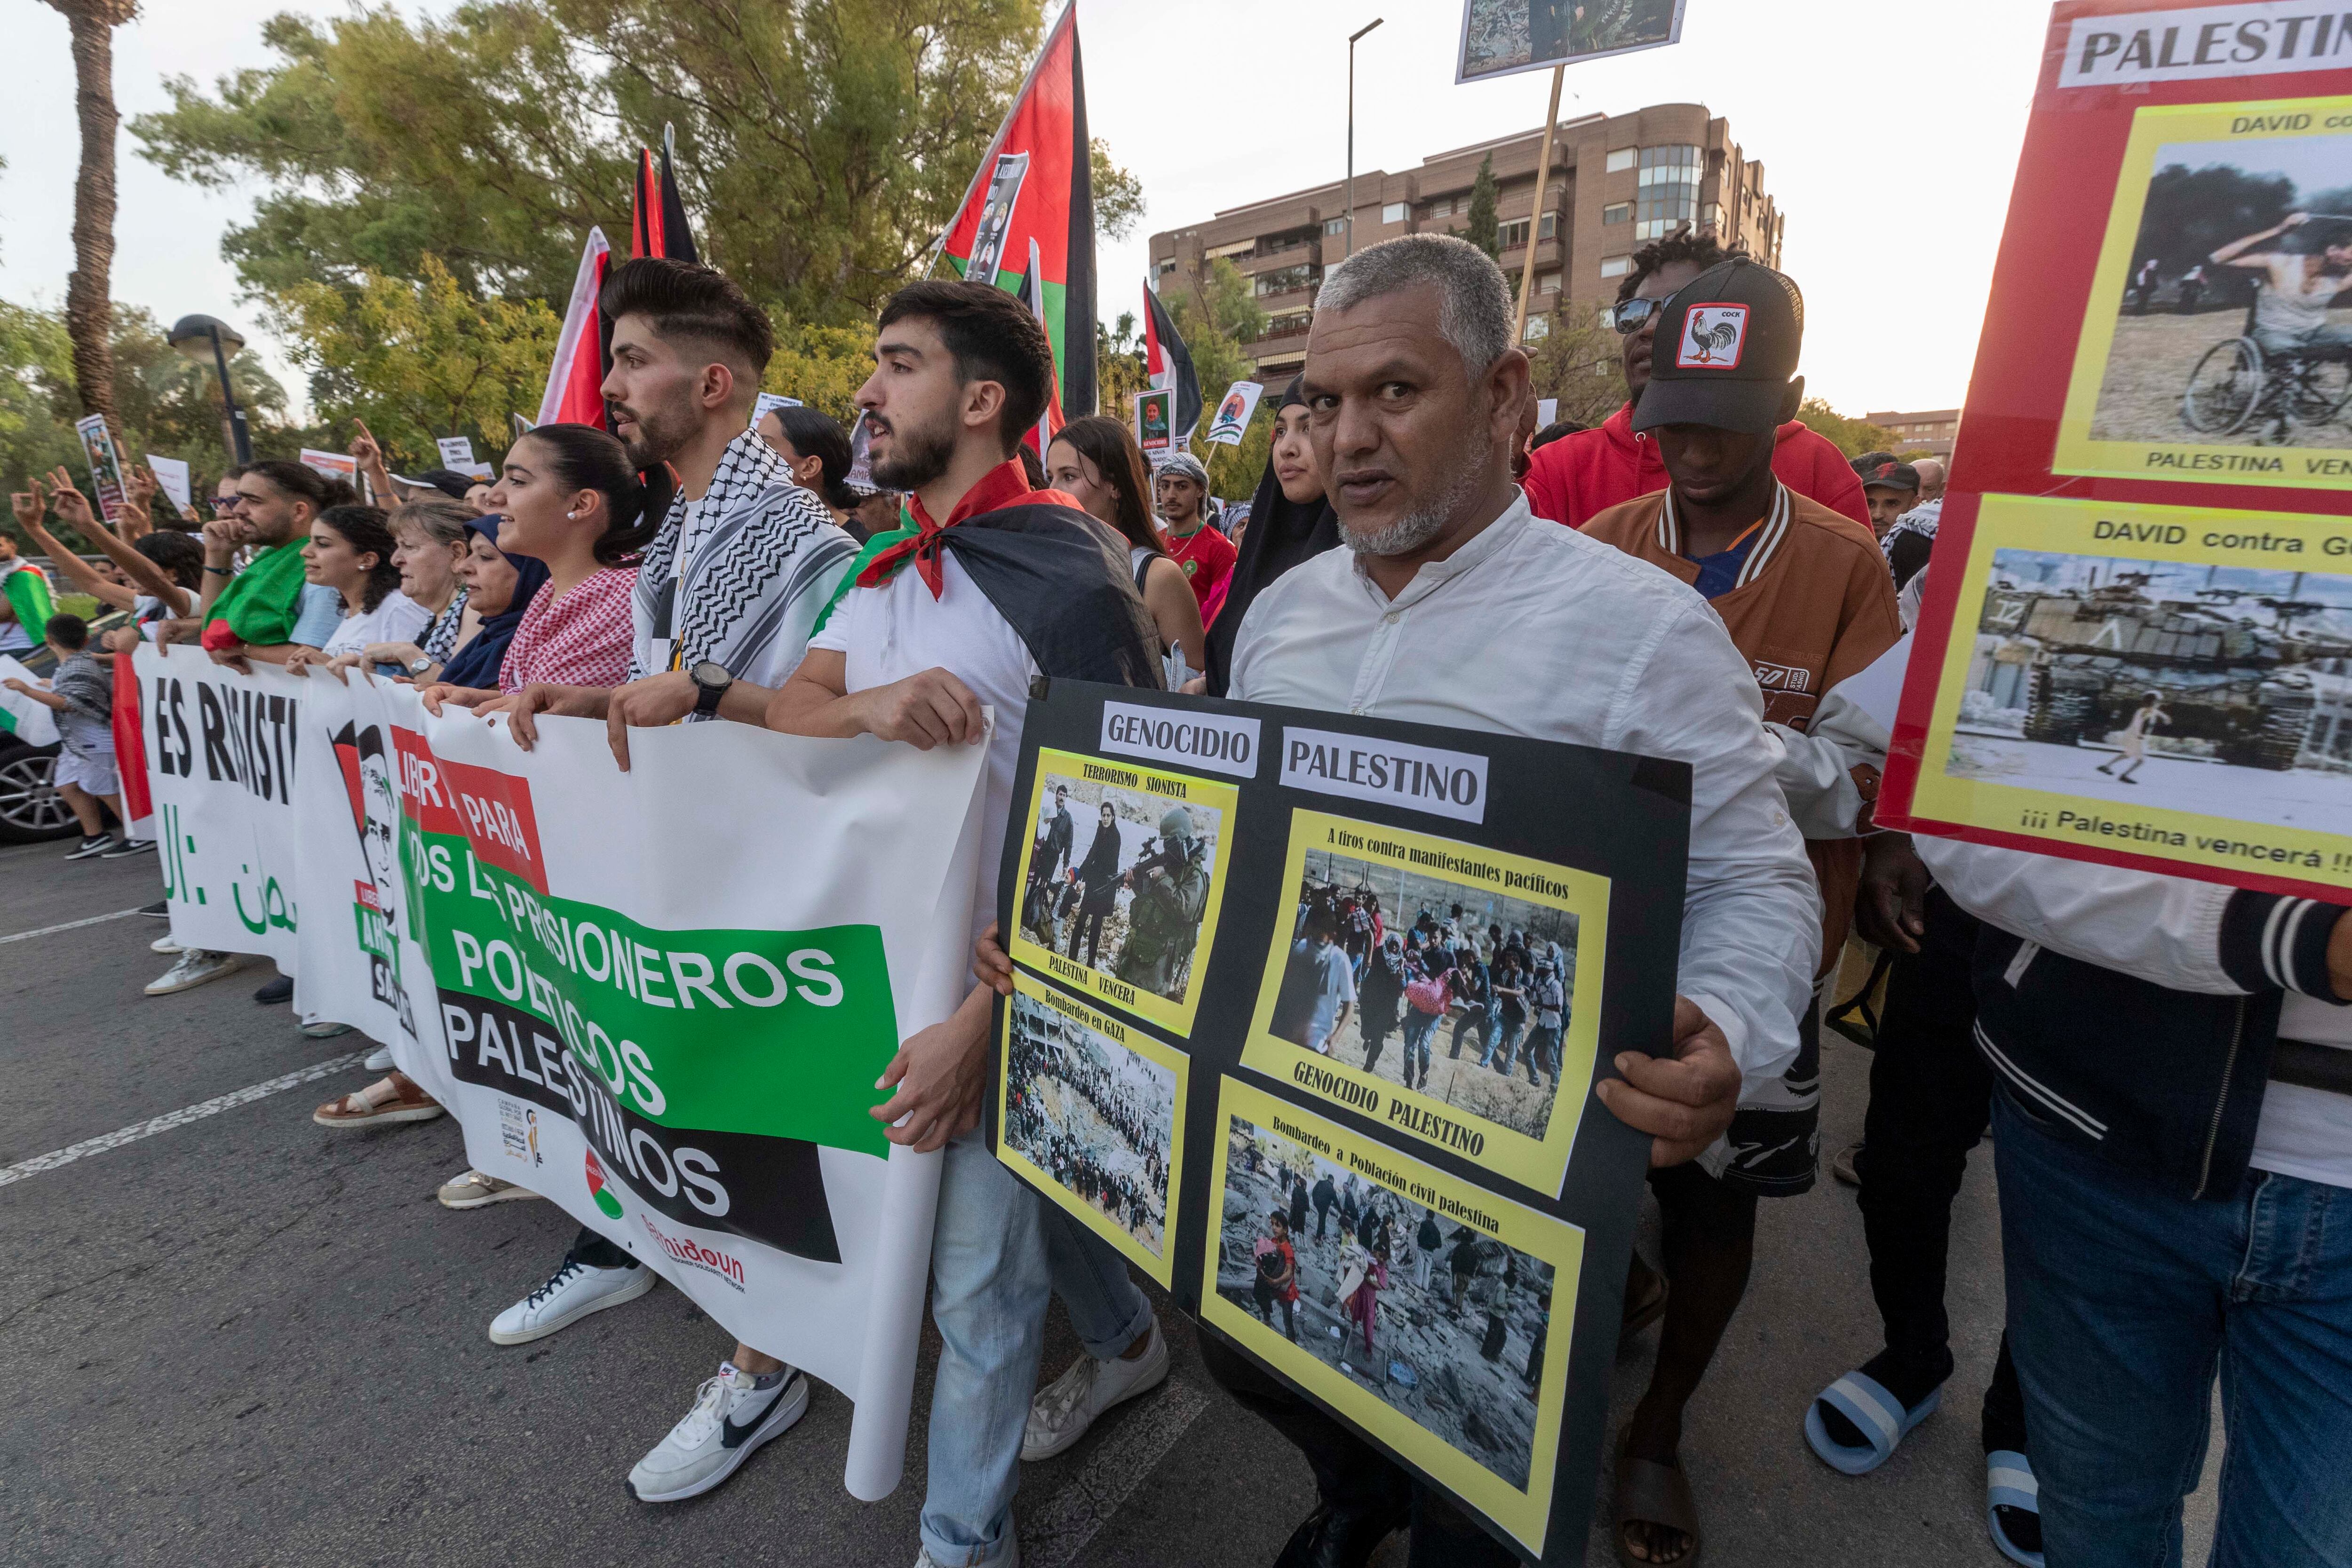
763,556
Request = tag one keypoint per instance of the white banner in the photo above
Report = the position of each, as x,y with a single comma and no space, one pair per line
35,724
665,1018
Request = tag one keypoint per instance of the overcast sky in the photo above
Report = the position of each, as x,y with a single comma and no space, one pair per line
1888,136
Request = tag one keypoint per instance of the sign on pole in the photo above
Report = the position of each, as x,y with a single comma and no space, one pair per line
1236,412
2135,634
1155,421
105,466
456,452
1503,38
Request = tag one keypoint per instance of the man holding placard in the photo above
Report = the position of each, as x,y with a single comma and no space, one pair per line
1441,549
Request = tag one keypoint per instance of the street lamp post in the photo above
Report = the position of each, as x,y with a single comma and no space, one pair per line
1350,245
195,337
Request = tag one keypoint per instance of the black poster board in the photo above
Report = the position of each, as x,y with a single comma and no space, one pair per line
1152,1073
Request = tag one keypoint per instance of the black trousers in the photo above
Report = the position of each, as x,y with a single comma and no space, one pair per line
1930,1097
1350,1473
594,1250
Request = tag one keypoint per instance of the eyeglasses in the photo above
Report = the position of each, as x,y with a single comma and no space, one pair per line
1630,316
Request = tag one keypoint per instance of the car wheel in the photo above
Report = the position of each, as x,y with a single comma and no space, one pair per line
31,810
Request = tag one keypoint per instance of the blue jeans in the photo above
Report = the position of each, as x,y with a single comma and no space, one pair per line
2121,1300
1418,1027
1543,1054
997,1253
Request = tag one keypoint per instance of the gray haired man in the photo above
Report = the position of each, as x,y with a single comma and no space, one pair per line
1414,392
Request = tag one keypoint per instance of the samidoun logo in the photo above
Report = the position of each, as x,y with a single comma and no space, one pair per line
696,1254
599,1187
1713,336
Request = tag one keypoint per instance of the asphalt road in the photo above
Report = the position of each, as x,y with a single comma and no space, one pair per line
246,1339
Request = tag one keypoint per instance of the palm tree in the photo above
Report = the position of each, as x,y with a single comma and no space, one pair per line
90,290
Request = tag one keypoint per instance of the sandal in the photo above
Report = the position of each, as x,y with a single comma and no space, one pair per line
2010,1483
475,1188
394,1097
1876,1413
1651,1493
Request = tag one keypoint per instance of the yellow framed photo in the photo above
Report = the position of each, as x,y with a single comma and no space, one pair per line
1479,1076
1121,881
2140,682
2217,343
1455,1355
1092,1111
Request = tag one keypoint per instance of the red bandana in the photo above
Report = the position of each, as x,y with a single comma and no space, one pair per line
1003,486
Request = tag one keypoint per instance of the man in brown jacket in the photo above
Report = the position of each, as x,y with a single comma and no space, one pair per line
1808,600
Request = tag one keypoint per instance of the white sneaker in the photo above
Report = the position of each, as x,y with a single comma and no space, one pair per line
1010,1558
164,945
378,1059
194,968
1067,1406
569,1294
730,1417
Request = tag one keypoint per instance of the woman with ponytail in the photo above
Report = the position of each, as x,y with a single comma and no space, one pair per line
570,500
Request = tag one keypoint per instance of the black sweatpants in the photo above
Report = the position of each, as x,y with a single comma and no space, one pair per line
1930,1095
1351,1473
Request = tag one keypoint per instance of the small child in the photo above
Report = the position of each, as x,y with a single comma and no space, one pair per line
82,693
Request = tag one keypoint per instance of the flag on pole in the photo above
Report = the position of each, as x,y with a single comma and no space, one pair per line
1035,188
1031,293
657,225
1169,363
576,382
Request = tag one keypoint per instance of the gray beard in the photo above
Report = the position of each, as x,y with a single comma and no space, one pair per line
1418,527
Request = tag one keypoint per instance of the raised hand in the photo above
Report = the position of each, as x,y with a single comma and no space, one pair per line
72,506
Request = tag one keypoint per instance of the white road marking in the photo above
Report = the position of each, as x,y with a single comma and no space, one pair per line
171,1118
69,925
1055,1535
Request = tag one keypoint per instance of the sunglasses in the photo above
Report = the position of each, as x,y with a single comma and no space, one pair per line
1630,316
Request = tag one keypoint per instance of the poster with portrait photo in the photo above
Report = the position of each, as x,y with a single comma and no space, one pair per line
2217,345
1121,882
2162,686
1417,1304
1446,988
1092,1112
1503,38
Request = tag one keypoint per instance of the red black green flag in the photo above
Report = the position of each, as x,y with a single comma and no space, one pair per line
1034,195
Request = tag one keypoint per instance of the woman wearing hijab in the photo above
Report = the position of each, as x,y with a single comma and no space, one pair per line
1289,521
500,587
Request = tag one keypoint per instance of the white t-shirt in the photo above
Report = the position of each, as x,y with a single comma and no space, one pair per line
890,632
395,618
2307,1132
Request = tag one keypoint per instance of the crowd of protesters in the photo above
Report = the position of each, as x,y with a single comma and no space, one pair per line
1699,578
1133,1192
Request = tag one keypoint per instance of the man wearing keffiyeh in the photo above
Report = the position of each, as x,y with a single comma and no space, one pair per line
992,586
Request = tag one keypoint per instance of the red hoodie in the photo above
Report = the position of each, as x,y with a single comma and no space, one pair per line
1579,477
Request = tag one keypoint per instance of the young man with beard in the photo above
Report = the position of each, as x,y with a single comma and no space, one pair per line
726,594
1808,600
1416,393
1572,479
1180,492
996,586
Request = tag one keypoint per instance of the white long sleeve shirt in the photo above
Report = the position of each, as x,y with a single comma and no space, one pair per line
1533,630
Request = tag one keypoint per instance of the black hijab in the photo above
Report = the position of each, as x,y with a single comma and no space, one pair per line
1282,533
477,663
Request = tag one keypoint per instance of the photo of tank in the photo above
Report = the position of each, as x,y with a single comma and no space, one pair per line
2177,682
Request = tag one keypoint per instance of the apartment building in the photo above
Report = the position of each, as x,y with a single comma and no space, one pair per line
1617,182
1922,435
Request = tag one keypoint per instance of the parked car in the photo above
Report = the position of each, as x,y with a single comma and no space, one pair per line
31,810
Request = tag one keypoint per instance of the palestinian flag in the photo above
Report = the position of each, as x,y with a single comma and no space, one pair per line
1168,363
657,227
1034,194
598,1186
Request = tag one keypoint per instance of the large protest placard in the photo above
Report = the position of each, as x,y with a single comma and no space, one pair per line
1216,1033
669,1027
2134,644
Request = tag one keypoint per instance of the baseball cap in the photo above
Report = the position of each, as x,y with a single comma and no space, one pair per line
448,481
1726,351
1886,472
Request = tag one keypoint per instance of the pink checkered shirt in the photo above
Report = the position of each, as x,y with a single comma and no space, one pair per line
582,639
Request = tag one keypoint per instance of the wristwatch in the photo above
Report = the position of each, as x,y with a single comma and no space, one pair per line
710,683
420,664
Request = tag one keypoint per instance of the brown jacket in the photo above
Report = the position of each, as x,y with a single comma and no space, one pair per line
1814,604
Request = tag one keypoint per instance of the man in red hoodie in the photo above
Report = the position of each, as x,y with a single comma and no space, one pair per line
1580,476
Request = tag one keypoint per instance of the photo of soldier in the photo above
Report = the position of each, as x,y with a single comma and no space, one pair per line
1119,881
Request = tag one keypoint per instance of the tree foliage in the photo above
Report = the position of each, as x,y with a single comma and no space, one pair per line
1119,369
1853,436
1482,227
164,403
1579,361
419,359
1119,195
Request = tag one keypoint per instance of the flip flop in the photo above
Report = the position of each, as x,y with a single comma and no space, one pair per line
1874,1412
2010,1483
1651,1493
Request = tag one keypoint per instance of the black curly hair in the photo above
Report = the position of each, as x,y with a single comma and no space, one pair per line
1697,246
